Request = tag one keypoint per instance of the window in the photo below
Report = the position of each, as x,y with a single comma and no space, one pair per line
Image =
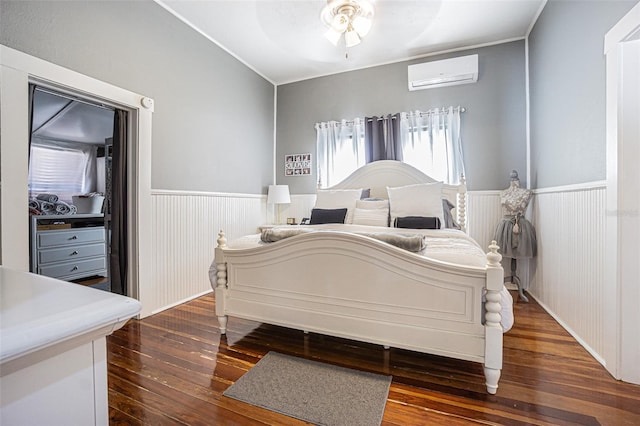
61,169
429,141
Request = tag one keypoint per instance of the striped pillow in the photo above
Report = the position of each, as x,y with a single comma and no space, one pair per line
376,217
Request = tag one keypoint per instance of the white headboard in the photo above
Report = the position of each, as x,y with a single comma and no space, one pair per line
379,175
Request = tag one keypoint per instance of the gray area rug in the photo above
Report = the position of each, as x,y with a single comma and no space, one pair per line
312,391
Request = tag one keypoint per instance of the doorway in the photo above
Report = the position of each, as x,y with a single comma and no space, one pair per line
71,182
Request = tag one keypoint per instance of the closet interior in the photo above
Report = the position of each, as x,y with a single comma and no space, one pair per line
70,198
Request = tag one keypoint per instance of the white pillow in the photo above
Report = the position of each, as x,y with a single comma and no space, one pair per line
373,204
371,217
423,199
339,199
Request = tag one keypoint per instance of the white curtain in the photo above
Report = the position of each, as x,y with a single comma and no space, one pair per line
340,150
430,141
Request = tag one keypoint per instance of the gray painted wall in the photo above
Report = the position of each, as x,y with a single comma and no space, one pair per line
567,90
493,130
203,96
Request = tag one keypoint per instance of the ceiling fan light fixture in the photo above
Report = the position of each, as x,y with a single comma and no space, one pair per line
333,36
353,18
351,37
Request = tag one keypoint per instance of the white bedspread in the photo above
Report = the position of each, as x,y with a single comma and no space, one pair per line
446,245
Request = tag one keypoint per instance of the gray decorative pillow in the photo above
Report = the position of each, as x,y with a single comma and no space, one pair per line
417,222
320,216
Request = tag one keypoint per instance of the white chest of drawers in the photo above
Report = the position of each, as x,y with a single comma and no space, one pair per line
72,253
53,356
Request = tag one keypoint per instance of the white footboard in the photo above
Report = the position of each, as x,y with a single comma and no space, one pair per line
355,287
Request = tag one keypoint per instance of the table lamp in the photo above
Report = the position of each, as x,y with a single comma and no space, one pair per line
278,194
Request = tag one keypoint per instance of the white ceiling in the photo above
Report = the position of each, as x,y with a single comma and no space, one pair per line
62,119
283,40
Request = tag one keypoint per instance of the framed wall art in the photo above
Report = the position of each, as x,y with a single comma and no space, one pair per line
297,165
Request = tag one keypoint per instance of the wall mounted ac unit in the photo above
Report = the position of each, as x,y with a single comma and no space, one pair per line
447,72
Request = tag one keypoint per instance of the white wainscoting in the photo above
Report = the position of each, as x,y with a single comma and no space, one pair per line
569,277
185,230
483,211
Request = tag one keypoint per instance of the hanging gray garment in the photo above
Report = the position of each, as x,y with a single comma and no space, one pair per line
516,245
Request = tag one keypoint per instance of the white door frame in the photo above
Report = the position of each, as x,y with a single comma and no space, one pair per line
622,316
17,70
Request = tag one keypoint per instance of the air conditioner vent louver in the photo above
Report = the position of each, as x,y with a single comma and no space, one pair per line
447,72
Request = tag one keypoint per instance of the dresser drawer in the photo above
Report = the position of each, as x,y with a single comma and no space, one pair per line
71,253
70,236
73,268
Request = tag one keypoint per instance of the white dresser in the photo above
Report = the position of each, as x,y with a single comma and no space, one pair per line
68,247
53,356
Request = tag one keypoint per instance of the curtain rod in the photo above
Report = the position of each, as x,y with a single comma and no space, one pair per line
458,108
430,112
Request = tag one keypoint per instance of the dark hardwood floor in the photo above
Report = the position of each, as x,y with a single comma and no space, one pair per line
171,369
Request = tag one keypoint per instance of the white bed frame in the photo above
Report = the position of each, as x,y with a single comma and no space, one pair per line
355,287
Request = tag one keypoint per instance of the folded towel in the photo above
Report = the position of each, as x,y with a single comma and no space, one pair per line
50,198
34,204
64,208
410,242
47,208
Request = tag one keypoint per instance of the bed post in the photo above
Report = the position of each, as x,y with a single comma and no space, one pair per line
492,327
461,209
221,282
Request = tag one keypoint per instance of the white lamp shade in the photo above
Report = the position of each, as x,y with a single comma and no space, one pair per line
362,25
333,36
278,194
351,38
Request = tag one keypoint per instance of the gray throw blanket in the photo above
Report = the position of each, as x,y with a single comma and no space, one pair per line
410,242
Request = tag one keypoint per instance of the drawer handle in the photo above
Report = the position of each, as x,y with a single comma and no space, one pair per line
74,238
73,253
75,268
